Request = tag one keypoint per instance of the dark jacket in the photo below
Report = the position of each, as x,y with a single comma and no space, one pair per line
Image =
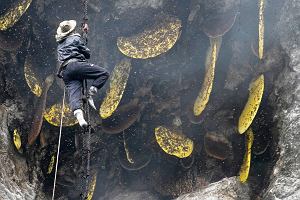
72,47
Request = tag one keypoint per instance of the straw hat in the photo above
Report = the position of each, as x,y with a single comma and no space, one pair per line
64,29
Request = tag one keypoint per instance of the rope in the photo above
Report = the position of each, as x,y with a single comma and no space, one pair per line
86,143
87,146
59,140
87,140
85,11
84,20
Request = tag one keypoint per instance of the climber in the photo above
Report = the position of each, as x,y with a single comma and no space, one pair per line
74,68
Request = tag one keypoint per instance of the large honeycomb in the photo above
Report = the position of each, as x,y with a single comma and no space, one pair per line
30,77
219,24
217,145
92,187
122,119
204,94
14,14
245,168
116,88
261,29
252,105
174,143
151,42
37,121
17,139
53,115
51,164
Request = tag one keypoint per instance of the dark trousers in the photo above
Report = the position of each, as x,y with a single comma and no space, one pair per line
73,76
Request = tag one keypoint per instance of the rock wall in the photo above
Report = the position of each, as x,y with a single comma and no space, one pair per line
284,183
226,189
122,5
285,179
14,181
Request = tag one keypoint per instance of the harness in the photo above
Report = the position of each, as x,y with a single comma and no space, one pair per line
85,136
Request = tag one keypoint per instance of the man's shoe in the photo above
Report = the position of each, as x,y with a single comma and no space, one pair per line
92,91
91,102
79,116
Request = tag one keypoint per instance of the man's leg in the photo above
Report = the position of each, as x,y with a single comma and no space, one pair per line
74,90
98,74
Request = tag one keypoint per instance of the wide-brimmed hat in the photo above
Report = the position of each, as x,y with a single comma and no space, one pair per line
64,29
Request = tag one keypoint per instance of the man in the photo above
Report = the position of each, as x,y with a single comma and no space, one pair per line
74,68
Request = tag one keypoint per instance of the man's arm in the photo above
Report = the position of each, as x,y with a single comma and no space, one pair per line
83,49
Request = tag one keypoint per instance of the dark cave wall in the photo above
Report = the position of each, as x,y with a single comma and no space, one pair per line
14,180
285,178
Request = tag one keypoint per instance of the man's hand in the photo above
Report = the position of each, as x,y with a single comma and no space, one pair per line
59,72
85,27
59,75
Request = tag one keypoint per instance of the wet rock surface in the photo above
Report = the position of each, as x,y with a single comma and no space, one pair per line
285,177
127,5
165,87
226,189
14,179
121,194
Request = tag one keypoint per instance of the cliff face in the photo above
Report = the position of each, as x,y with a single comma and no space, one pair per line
14,181
159,92
284,182
285,179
